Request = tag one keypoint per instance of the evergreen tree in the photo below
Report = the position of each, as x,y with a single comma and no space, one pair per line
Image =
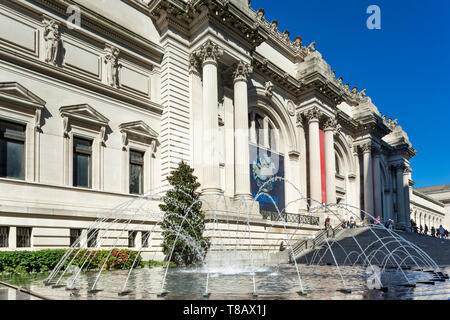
179,202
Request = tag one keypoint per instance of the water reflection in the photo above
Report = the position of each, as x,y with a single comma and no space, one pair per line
277,282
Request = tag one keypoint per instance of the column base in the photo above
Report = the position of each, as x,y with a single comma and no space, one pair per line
212,191
244,196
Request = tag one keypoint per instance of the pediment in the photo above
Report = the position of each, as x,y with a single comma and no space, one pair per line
84,113
138,128
15,92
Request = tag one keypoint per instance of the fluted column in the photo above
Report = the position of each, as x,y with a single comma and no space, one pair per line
196,101
330,161
302,162
368,181
378,192
406,212
208,54
242,152
315,181
400,196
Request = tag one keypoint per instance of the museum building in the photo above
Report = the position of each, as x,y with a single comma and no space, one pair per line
96,115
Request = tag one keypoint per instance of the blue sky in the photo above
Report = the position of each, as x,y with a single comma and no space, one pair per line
405,66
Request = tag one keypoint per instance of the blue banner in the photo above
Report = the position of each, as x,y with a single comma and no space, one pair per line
264,165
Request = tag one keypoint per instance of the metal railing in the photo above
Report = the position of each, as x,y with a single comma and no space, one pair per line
301,245
291,217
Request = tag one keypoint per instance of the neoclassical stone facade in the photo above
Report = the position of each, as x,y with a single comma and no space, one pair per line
105,111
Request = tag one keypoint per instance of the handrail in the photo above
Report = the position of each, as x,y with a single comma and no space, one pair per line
299,246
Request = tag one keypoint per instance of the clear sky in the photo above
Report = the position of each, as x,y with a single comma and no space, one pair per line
405,66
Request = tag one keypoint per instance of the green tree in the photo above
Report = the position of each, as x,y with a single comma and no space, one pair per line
183,216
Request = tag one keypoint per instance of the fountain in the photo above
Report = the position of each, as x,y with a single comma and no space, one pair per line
242,262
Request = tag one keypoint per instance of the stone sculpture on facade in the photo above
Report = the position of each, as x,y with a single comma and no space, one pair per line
112,65
52,37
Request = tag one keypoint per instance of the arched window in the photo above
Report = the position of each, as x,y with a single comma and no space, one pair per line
263,131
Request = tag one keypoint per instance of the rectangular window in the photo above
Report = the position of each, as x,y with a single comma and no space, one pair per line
74,235
82,153
4,237
144,240
92,238
23,237
136,172
131,239
12,150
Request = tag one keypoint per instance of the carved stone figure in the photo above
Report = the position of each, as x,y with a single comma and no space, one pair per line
112,65
268,86
52,37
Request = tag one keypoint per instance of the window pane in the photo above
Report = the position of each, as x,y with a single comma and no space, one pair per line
81,173
23,237
92,238
136,172
145,236
74,235
259,124
131,238
4,236
82,163
136,157
14,159
272,138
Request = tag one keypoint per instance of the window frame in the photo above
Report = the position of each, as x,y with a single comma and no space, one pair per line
140,163
4,136
27,241
82,151
7,228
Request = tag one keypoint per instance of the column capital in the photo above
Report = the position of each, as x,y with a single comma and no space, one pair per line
209,52
330,125
399,167
313,114
366,147
241,71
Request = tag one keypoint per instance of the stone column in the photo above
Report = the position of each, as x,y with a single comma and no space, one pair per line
208,54
196,101
368,182
315,181
302,162
406,213
242,152
378,192
12,238
330,165
400,196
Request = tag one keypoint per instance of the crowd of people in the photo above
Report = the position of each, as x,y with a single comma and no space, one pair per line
440,232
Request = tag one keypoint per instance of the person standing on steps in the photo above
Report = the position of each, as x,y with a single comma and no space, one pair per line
426,230
433,231
327,223
421,229
441,231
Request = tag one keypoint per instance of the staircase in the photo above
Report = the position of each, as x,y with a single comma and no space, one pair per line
347,245
307,245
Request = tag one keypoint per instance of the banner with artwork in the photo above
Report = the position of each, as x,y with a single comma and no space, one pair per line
264,165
